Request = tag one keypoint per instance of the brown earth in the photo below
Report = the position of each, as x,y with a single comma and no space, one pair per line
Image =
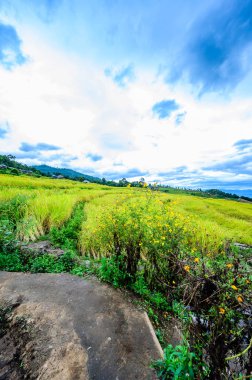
58,326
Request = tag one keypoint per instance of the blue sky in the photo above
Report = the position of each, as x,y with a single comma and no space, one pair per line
119,89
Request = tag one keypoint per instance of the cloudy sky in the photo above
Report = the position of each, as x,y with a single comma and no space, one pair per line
134,88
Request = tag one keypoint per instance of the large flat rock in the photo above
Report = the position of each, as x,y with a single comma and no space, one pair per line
75,329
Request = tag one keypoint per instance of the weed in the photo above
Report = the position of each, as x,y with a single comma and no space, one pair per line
180,363
67,236
112,270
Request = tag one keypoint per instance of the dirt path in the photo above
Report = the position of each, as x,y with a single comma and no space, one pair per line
63,327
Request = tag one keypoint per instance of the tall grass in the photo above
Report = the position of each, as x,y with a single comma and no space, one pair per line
50,203
225,218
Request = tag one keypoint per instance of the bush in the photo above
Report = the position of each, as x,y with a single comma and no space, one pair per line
11,262
179,363
113,270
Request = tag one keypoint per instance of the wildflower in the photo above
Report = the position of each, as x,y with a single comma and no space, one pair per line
222,310
196,260
229,265
187,268
240,299
234,287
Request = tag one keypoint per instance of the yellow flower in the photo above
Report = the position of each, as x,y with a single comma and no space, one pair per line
187,268
234,287
240,299
229,265
196,260
221,310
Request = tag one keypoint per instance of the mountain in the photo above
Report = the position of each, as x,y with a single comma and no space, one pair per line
245,193
69,173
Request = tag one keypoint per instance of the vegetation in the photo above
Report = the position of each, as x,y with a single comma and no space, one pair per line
174,251
67,173
211,193
9,165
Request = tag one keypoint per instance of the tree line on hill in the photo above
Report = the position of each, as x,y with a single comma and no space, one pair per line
9,165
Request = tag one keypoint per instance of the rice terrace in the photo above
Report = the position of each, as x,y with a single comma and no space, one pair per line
184,259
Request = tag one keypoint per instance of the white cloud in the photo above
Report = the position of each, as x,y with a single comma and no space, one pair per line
59,99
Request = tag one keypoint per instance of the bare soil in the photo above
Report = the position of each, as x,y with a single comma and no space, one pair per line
58,326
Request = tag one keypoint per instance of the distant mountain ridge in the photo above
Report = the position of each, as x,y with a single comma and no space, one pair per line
246,193
69,173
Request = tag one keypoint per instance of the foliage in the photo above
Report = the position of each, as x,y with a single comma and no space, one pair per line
68,173
67,235
50,264
18,261
113,270
179,363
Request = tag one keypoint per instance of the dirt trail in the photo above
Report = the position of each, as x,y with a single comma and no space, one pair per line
63,327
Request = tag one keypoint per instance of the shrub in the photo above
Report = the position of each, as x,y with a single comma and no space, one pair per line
11,262
179,363
113,270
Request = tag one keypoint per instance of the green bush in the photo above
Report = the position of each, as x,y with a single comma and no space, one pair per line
113,270
7,237
52,264
180,364
11,262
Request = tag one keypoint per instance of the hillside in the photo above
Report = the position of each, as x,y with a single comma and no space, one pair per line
68,173
9,165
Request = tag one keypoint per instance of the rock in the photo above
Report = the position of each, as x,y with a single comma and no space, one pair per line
42,248
242,246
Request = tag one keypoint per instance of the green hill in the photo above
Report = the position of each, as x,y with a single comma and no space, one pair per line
68,173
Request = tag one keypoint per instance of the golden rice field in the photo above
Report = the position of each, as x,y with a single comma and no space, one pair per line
49,203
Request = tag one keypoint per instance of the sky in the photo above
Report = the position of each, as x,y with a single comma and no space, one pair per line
139,88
